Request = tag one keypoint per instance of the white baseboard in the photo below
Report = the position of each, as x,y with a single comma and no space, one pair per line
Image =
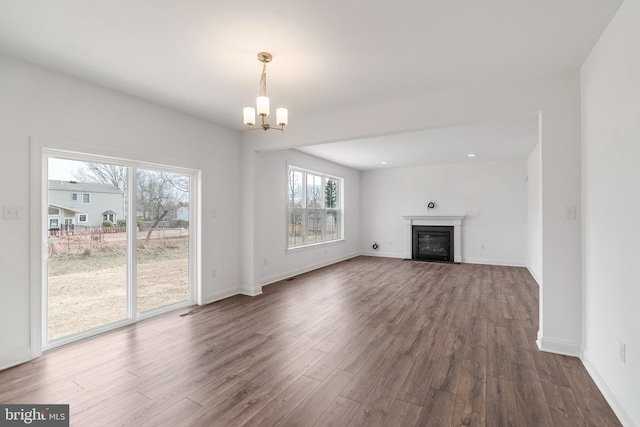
553,345
251,294
538,281
382,254
287,274
14,358
506,263
616,402
222,294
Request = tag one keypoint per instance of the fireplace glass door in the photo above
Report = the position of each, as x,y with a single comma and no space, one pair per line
432,243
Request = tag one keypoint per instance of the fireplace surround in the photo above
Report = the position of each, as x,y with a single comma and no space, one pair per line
433,221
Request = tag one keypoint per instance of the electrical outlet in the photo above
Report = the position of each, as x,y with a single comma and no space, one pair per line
623,352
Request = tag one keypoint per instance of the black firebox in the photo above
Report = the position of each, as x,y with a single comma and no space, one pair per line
432,243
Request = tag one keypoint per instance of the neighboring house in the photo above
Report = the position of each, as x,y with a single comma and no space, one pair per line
182,213
82,204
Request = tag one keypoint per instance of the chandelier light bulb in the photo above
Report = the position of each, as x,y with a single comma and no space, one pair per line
249,114
262,102
282,116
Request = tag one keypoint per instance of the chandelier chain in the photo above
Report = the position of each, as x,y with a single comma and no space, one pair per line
262,90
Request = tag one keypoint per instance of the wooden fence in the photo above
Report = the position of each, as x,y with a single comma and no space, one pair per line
81,240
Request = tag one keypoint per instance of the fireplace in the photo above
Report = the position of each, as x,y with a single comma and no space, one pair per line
432,243
437,222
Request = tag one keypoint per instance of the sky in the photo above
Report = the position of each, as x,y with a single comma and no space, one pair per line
61,169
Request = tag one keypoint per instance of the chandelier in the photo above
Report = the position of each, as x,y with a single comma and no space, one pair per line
262,102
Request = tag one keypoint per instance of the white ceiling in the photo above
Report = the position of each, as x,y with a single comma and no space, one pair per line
490,140
200,56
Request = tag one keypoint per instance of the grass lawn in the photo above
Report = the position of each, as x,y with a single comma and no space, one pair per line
89,290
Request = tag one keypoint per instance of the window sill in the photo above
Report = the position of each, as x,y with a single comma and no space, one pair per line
314,245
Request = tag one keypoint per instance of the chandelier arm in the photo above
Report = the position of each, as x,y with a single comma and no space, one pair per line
281,128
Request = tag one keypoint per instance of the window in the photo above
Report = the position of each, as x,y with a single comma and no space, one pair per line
53,223
86,198
74,197
68,224
109,217
82,217
314,203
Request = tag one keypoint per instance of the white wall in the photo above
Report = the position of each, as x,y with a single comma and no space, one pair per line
611,203
491,195
271,218
534,215
69,113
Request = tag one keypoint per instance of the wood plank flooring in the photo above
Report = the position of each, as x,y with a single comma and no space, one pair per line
366,342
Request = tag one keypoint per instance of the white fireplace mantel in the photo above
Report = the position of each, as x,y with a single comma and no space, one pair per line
454,220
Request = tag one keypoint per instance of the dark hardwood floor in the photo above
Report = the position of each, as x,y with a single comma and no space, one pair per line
366,342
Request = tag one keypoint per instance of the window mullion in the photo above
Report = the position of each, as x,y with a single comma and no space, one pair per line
304,208
323,214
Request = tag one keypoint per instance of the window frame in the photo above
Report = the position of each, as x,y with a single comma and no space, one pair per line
74,197
86,218
304,211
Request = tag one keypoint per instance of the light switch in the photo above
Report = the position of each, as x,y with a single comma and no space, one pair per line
570,212
9,213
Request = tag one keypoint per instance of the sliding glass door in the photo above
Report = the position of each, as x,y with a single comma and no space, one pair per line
87,262
163,239
119,244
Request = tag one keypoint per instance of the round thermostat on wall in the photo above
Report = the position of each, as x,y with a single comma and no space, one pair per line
431,205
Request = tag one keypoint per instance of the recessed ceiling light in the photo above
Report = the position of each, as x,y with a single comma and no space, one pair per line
383,163
471,155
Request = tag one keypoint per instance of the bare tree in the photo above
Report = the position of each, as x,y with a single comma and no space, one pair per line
314,194
295,189
102,173
179,182
158,194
